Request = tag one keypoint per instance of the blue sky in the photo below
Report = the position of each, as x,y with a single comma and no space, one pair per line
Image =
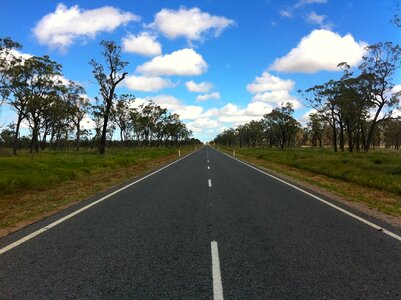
217,63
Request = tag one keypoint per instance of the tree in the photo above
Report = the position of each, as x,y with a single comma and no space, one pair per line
282,124
378,67
10,67
121,115
97,113
78,106
8,60
316,127
114,66
41,88
322,99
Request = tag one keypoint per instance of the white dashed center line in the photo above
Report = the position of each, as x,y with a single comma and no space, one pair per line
217,284
210,182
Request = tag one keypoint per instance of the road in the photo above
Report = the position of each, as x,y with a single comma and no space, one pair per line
205,227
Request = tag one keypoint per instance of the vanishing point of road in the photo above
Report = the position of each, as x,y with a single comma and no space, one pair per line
205,227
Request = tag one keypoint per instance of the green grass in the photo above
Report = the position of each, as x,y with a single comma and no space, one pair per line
379,169
49,168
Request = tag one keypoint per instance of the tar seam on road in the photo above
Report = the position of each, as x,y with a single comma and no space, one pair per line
217,284
209,182
69,216
377,227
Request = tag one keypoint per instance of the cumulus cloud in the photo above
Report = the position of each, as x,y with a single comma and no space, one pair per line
202,87
174,105
273,90
199,125
232,113
146,84
185,62
61,28
321,50
211,96
143,44
269,82
189,23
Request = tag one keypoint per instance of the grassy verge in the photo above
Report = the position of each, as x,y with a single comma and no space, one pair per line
372,178
31,189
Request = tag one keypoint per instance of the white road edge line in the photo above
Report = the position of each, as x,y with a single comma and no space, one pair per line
209,182
377,227
217,284
69,216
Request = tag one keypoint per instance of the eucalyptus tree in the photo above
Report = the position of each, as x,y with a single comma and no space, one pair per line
283,125
78,108
121,115
8,59
379,67
322,98
41,89
316,126
97,112
108,76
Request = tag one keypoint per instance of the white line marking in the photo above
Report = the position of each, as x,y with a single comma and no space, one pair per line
210,182
208,167
217,285
47,227
377,227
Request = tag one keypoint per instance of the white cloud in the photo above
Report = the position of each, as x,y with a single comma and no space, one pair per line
185,62
304,119
269,82
146,84
231,113
202,87
285,13
62,27
273,90
396,88
189,23
189,112
143,44
174,105
306,2
315,18
199,125
321,50
211,96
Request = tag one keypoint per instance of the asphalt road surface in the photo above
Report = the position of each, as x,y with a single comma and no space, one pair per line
205,227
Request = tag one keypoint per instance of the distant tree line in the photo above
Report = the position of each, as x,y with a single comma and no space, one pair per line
276,129
55,110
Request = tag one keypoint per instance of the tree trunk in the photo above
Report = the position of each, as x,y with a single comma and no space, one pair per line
102,145
16,136
341,136
78,136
